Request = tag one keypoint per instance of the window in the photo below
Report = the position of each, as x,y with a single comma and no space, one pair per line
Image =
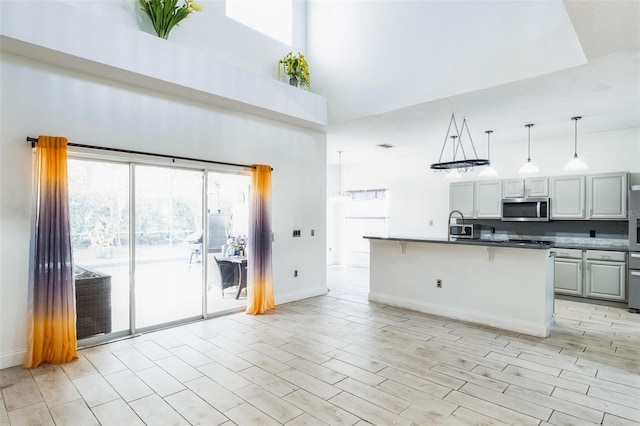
270,17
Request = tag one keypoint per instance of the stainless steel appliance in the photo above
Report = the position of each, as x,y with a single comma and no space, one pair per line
466,231
525,209
634,249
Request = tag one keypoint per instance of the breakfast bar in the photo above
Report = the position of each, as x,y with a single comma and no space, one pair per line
498,284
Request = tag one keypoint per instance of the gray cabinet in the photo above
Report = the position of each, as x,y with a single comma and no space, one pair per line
605,277
594,274
537,187
531,187
607,196
477,199
461,198
567,195
568,276
488,200
568,272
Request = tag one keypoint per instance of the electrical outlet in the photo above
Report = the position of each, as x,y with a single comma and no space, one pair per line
430,222
295,273
592,233
313,232
493,230
439,283
296,232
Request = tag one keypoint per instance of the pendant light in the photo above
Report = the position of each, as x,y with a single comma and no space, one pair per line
489,171
528,167
576,164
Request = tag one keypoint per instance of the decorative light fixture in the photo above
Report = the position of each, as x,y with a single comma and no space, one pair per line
465,163
528,167
489,171
576,164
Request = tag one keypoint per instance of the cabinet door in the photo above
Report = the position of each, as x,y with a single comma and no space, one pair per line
568,276
513,188
488,200
608,196
461,198
537,187
606,280
567,197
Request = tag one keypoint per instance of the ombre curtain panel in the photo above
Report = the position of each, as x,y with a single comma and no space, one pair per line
260,290
51,319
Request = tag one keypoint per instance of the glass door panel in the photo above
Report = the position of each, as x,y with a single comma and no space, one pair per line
99,218
168,248
228,221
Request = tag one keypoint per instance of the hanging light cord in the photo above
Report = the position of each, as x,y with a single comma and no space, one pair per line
575,151
488,132
529,126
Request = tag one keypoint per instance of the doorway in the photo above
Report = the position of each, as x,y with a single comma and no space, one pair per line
145,239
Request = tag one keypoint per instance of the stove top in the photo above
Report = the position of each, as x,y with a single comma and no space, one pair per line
538,242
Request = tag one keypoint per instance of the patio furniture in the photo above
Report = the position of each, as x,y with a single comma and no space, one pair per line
93,302
233,272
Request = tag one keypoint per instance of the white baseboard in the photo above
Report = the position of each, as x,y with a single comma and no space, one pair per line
526,327
12,359
299,295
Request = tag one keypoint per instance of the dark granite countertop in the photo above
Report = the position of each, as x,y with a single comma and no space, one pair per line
487,243
504,243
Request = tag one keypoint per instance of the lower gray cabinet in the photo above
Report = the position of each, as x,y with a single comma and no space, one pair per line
568,276
594,274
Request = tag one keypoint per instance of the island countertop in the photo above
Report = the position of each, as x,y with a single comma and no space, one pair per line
507,243
476,242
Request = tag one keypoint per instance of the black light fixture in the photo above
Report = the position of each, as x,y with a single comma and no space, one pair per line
528,167
464,163
576,164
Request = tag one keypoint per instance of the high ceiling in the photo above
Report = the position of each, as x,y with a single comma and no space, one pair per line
394,71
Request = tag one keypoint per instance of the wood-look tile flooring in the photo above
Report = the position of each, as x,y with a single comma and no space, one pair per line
340,360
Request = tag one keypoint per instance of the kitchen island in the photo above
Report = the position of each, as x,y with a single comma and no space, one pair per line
499,284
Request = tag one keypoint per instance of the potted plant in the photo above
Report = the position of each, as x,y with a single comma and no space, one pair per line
296,67
165,14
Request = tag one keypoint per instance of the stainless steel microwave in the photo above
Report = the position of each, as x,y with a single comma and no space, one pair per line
525,209
468,231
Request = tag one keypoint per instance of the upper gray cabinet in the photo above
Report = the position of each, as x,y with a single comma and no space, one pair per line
567,195
607,196
481,200
488,196
461,198
532,187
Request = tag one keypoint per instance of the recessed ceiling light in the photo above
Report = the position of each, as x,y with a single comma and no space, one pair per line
385,145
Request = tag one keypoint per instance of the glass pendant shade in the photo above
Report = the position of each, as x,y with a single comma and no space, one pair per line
575,164
454,174
529,167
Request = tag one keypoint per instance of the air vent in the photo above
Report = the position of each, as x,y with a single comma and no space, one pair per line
385,145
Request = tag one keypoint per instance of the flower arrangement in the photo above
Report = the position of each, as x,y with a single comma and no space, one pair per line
297,68
237,243
165,14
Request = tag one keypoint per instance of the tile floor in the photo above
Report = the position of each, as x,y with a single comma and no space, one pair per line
339,360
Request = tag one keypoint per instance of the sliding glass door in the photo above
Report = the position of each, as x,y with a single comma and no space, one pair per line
99,218
168,229
145,246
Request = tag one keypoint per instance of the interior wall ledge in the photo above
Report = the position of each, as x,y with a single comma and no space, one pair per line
56,33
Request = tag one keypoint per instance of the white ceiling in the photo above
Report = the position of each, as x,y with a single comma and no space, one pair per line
394,71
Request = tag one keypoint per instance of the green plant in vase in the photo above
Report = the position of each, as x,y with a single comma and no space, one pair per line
166,14
297,68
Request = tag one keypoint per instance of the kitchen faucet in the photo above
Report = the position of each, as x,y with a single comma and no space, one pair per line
449,222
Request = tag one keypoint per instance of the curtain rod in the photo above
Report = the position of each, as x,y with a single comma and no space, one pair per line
34,141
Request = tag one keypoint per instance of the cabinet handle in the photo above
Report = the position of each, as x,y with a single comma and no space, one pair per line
635,255
635,274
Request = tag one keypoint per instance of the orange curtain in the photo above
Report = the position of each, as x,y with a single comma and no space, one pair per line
51,319
260,291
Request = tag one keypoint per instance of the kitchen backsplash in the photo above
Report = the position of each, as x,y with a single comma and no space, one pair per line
614,232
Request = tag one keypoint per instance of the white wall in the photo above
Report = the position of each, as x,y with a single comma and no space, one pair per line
418,195
44,99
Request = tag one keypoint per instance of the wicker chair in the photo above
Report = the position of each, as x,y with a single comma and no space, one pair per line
228,274
93,302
